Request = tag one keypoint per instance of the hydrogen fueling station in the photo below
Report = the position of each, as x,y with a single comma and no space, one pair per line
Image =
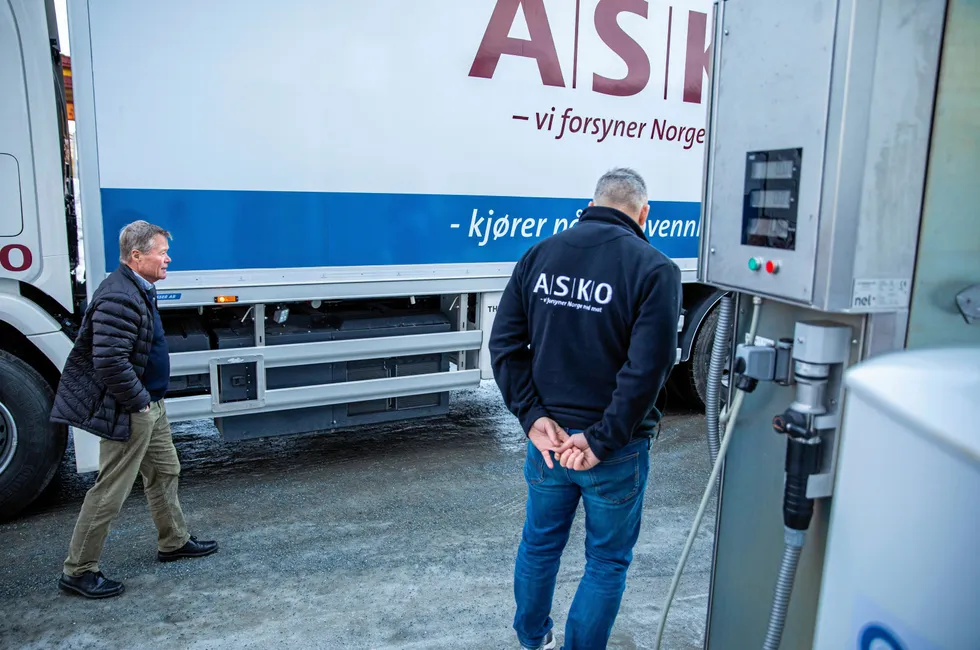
838,253
840,213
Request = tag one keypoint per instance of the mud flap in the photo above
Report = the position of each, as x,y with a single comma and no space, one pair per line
86,451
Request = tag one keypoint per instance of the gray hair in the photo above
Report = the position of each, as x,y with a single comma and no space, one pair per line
138,236
621,187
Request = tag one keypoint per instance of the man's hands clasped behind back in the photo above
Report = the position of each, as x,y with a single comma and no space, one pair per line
547,436
576,454
572,452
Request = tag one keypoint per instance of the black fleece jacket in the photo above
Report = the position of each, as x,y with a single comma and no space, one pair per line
586,331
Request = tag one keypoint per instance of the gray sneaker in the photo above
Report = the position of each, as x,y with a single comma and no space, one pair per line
549,643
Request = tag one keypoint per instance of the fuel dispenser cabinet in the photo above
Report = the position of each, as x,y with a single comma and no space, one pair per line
831,174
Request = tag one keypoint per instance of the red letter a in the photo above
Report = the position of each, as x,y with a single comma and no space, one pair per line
496,42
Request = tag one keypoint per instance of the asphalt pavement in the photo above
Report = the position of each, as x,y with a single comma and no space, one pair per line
393,536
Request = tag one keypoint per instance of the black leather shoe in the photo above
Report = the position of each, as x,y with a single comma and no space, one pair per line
192,548
91,585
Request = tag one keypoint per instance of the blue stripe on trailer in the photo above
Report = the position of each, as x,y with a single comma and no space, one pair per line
226,229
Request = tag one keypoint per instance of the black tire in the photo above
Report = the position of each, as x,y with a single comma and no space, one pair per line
689,382
701,361
701,356
680,388
31,447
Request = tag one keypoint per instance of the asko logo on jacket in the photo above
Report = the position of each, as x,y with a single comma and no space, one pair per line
577,293
637,53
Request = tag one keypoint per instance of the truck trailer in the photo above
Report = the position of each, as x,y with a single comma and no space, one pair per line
347,194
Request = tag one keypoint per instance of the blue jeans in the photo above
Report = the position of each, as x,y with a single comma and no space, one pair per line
612,493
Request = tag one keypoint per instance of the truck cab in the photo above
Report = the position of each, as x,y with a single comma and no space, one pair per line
40,295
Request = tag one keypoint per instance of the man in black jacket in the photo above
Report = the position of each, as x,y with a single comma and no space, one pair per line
582,343
113,386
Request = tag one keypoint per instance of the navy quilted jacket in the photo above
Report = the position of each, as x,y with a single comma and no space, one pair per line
102,380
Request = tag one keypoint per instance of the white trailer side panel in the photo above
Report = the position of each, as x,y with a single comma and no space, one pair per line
292,144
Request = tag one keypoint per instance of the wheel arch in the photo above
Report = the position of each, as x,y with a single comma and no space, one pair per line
31,334
699,300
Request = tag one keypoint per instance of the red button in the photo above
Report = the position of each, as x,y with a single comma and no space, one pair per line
772,267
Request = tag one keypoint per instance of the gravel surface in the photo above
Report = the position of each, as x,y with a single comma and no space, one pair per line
393,536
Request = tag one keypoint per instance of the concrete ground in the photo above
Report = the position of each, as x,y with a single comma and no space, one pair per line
395,536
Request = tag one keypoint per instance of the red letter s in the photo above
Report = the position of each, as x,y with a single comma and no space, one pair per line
496,42
630,51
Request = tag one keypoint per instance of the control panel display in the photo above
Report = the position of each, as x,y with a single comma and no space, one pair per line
769,210
762,170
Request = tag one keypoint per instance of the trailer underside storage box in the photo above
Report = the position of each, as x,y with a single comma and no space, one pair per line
306,328
187,335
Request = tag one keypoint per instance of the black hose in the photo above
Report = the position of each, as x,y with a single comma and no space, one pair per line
803,451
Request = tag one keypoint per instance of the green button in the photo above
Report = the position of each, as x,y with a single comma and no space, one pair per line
754,264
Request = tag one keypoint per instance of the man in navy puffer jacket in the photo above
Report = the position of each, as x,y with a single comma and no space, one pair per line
113,386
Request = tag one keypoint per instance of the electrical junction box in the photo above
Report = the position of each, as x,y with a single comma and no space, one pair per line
818,140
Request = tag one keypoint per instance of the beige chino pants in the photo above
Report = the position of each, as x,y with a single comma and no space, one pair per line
149,452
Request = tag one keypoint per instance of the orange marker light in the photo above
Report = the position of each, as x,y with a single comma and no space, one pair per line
222,300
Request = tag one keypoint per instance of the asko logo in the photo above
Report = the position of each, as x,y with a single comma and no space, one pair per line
15,258
541,46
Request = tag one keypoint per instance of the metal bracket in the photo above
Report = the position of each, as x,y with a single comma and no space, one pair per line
217,406
259,315
968,301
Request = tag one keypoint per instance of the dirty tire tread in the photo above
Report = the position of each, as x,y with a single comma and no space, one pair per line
679,388
701,356
29,399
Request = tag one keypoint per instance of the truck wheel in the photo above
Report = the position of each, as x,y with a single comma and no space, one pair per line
701,360
31,446
680,388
